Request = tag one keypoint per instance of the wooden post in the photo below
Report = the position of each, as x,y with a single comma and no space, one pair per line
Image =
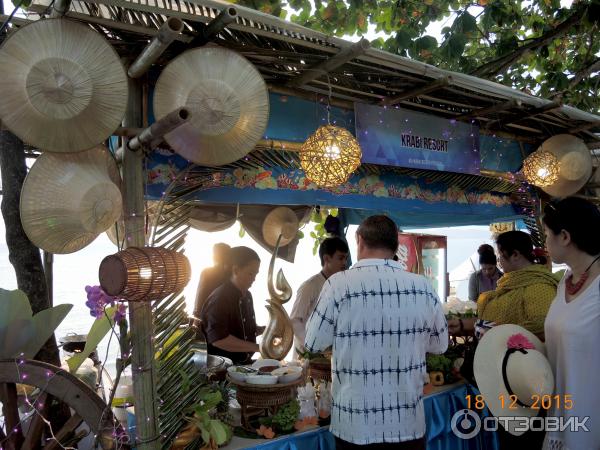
140,313
48,261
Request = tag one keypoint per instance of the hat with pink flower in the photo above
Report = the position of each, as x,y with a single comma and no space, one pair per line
512,373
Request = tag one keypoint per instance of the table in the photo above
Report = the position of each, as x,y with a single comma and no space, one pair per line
440,406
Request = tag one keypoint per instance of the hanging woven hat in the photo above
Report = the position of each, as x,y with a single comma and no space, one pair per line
68,199
280,221
63,88
116,233
575,164
228,99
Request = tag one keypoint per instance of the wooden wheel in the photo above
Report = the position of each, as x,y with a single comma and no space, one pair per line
27,388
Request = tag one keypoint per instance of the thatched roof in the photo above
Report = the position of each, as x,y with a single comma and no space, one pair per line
300,61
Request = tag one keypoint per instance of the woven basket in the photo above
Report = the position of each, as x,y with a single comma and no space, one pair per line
144,274
320,370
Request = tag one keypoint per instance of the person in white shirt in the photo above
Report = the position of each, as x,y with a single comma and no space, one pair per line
333,253
572,326
380,321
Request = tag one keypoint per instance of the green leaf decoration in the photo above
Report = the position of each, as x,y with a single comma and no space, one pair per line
100,328
218,431
22,333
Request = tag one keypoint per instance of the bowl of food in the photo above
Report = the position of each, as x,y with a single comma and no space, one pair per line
265,363
262,379
288,374
267,369
237,373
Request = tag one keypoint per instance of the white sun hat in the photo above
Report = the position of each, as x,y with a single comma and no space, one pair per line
512,373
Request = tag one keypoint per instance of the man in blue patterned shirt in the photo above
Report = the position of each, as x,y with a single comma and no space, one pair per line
381,321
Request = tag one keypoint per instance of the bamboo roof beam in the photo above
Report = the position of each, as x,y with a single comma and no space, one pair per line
527,114
337,60
585,127
513,103
411,93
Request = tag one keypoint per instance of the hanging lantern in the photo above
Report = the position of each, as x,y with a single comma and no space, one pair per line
144,274
541,168
330,156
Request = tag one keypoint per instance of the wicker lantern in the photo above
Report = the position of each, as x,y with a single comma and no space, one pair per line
144,274
330,156
541,168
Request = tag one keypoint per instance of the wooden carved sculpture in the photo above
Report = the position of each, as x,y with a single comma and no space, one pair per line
279,335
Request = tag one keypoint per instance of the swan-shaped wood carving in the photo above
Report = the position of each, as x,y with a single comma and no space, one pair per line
278,336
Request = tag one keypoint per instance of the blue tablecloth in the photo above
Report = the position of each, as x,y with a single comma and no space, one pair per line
439,409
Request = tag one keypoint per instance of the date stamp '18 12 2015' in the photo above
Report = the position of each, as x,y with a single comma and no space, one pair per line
539,402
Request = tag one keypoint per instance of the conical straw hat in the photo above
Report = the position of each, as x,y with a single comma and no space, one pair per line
228,99
63,88
575,163
281,220
68,199
116,233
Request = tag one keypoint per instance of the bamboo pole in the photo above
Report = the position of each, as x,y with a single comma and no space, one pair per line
158,129
60,8
140,313
159,43
214,27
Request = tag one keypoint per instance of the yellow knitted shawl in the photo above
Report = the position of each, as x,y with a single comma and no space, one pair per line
522,297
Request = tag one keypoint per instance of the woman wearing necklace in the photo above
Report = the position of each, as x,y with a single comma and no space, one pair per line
572,326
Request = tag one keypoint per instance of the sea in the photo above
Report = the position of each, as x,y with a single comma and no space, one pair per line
74,271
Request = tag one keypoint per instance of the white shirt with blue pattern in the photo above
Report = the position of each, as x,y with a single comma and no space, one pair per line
381,322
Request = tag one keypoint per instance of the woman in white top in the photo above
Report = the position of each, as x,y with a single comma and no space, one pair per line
572,326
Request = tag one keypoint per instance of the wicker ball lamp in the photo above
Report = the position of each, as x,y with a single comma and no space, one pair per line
330,156
541,168
144,274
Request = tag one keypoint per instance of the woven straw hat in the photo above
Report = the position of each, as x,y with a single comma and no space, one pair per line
228,99
63,88
68,199
575,163
512,373
281,220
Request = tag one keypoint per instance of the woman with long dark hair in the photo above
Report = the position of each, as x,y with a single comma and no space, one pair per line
572,326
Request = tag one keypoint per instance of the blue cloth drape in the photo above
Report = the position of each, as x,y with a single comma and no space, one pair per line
439,409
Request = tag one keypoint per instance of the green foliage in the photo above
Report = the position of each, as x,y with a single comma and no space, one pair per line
318,217
21,332
483,37
99,329
210,429
285,417
438,363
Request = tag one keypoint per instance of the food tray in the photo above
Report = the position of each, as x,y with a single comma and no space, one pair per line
266,387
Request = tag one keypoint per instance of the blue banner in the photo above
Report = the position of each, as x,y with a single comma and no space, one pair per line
392,136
